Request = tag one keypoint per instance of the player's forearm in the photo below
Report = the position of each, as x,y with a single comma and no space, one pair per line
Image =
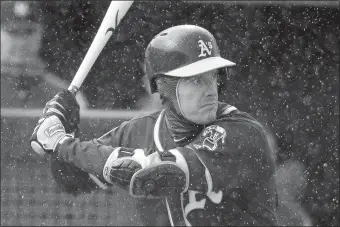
70,178
89,156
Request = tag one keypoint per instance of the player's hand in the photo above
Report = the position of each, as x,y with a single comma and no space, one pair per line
47,134
143,172
65,106
60,116
123,163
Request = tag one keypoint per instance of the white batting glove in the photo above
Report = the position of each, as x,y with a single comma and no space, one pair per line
48,133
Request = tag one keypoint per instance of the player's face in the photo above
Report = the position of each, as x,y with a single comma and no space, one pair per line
198,97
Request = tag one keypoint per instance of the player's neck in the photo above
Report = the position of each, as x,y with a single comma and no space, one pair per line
181,129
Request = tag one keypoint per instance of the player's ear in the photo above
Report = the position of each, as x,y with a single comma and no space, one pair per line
145,80
221,76
146,84
224,76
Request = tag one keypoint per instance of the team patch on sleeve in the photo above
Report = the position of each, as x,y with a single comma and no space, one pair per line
212,138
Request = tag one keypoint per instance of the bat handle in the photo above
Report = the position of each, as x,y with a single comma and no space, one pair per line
73,89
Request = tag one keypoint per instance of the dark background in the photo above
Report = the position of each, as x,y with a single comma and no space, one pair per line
287,73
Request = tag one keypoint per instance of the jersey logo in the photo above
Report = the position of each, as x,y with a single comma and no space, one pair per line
111,29
204,48
213,135
194,204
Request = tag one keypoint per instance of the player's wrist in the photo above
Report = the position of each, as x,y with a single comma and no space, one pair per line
61,141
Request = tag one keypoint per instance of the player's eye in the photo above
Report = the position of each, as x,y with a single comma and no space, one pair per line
202,79
215,76
193,80
197,80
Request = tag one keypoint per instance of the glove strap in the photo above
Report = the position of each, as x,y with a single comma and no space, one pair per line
61,141
167,156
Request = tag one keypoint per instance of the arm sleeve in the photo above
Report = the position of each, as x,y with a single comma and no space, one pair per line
246,163
75,159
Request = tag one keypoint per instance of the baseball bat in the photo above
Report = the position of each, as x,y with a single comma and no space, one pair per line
113,16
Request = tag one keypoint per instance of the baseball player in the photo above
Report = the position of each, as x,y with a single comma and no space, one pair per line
204,161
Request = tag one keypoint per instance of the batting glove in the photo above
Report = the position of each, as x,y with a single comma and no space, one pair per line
121,165
145,173
60,120
48,133
66,107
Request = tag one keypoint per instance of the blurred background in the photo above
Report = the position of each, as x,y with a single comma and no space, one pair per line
287,76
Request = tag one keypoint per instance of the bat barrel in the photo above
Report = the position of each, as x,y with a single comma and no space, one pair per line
113,16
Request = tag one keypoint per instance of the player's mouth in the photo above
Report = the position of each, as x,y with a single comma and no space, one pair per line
209,104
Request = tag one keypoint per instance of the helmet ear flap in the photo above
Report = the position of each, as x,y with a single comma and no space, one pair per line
153,83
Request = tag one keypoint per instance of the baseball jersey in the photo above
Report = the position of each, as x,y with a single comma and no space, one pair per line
239,189
231,166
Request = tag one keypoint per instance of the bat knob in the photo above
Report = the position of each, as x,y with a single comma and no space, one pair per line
37,148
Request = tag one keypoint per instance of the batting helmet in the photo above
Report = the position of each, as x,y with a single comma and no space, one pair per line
182,51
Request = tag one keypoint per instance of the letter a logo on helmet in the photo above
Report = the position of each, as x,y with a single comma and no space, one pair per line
204,49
